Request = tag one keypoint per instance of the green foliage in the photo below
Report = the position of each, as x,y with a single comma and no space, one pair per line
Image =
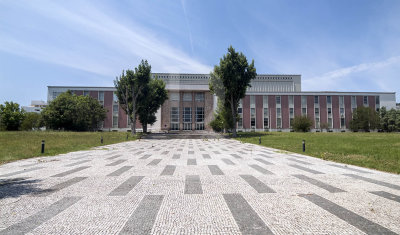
150,100
302,123
32,121
229,81
389,120
11,116
222,118
129,87
364,118
74,113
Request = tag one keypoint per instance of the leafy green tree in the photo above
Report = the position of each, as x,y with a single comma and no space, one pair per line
389,120
383,118
230,80
222,117
302,123
32,121
364,118
150,100
73,113
11,116
129,85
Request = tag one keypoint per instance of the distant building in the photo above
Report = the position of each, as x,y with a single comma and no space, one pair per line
270,103
36,106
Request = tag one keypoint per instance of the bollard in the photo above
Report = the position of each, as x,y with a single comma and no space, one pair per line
127,136
259,140
101,140
42,146
304,145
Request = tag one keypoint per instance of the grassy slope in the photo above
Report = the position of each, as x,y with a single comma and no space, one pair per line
21,144
379,151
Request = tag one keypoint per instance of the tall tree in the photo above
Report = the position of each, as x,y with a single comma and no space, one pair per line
11,116
230,80
150,100
129,85
364,118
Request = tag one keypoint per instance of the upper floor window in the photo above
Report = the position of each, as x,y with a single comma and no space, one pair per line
199,96
329,99
115,97
85,93
365,99
304,101
278,99
187,96
316,99
291,102
353,101
174,96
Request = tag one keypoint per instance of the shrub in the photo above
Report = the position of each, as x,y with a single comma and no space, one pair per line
302,123
31,121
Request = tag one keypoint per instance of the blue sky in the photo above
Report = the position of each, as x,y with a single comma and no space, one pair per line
334,44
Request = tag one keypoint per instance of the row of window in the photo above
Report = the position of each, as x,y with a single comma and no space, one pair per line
187,118
187,96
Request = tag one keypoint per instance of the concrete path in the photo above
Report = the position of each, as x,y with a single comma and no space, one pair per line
192,186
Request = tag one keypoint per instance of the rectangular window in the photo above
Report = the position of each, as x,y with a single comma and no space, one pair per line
265,101
329,111
291,121
56,93
240,110
329,99
353,101
199,114
115,109
304,111
342,112
317,123
330,122
279,123
253,118
377,102
316,99
101,97
291,100
115,121
304,101
187,114
342,123
278,99
278,112
115,98
174,96
266,118
85,93
174,118
252,100
316,112
199,96
341,101
365,99
187,96
291,112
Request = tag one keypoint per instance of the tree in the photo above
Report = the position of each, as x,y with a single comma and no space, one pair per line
150,100
302,123
32,121
364,118
129,85
389,120
230,80
222,117
73,113
11,116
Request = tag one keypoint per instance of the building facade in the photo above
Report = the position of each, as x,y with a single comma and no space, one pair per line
270,103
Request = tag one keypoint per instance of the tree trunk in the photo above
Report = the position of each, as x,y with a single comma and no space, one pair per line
144,125
234,118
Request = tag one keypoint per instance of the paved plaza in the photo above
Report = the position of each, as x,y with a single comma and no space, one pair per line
193,186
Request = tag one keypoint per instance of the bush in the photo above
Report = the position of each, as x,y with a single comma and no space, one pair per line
31,121
364,118
217,124
302,123
11,116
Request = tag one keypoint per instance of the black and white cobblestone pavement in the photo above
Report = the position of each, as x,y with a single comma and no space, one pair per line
192,186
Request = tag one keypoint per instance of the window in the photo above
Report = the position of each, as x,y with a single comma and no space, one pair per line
291,100
329,99
174,118
187,96
365,99
341,101
187,114
342,123
304,111
252,100
85,93
265,101
115,109
266,118
291,112
253,118
278,112
317,124
316,112
279,123
316,99
101,97
56,93
377,102
240,110
115,122
115,116
342,112
174,96
330,122
199,96
199,114
353,101
278,99
304,101
329,111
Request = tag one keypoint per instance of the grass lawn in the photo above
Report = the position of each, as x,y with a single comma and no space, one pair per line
26,144
379,151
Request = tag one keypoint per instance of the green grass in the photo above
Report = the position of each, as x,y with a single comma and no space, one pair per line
23,144
379,151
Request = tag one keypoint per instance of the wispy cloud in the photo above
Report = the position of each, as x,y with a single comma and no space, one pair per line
187,25
123,43
334,78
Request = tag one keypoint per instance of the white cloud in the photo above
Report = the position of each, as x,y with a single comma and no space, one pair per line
122,44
